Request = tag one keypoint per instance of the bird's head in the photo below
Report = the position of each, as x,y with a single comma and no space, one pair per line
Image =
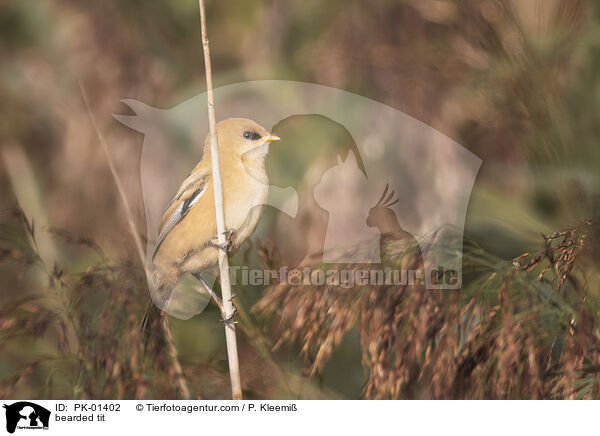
241,136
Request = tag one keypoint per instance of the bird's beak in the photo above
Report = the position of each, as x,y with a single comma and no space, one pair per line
270,138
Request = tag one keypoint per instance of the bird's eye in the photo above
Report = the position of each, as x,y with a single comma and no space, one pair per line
251,135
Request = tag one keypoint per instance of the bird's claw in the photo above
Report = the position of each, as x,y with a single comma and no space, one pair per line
226,246
230,319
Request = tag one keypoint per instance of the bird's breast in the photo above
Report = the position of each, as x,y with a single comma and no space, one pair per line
242,194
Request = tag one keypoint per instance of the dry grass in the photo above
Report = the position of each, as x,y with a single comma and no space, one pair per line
90,318
506,334
526,328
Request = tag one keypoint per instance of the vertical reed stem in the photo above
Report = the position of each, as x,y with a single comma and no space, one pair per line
230,337
180,378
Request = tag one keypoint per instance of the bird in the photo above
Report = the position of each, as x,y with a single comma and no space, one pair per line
187,236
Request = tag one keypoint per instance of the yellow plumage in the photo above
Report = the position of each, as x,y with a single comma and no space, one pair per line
189,225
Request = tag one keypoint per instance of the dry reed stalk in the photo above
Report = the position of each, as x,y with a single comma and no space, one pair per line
230,336
176,366
172,350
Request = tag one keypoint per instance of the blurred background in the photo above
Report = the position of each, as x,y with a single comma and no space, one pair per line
515,82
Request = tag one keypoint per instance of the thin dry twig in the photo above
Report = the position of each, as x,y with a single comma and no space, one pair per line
138,241
179,376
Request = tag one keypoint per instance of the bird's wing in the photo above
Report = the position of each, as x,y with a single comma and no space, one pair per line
199,175
188,195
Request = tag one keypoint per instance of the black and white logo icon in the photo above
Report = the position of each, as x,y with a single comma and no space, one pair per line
26,415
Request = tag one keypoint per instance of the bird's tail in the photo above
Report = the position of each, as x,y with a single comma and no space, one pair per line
150,323
163,285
